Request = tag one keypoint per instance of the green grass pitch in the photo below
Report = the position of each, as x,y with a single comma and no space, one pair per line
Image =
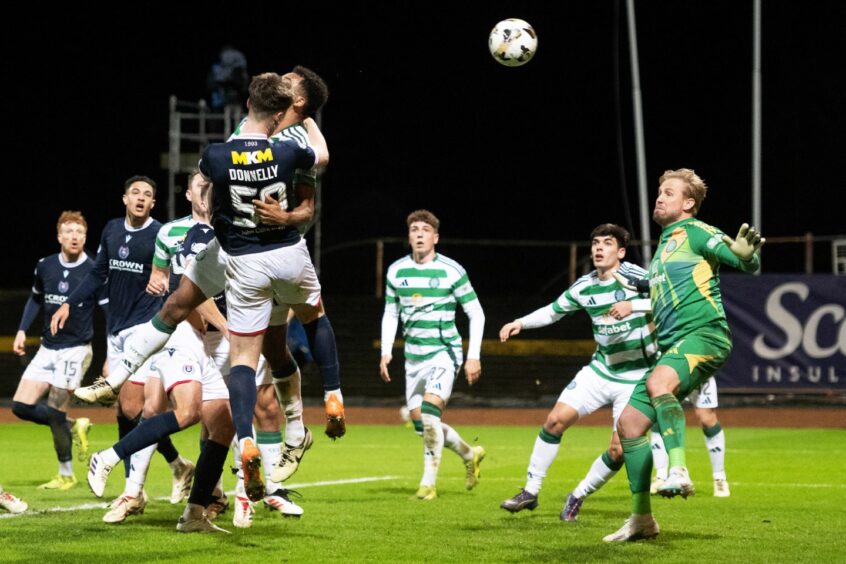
787,505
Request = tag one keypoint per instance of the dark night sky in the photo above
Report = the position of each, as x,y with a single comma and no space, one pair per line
421,116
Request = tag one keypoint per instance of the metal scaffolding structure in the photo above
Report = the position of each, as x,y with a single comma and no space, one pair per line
192,127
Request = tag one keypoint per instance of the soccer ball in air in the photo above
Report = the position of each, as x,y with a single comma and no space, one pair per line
513,42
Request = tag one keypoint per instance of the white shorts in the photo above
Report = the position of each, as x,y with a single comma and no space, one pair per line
217,347
178,368
705,395
589,391
61,368
252,280
208,269
435,376
114,352
184,339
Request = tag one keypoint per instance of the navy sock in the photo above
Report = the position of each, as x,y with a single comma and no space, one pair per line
242,399
125,426
321,340
166,447
148,432
209,468
286,370
37,413
61,433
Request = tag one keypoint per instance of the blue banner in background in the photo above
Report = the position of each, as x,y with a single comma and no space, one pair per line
789,332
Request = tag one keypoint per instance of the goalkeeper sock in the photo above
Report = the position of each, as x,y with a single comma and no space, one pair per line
671,420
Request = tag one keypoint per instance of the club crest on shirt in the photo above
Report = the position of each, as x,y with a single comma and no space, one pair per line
63,286
434,282
188,369
619,294
678,237
123,252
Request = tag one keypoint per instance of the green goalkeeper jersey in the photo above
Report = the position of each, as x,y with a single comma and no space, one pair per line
684,279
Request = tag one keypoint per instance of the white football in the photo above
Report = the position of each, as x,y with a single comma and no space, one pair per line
513,42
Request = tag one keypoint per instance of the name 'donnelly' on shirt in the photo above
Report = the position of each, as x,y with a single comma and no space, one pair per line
250,158
125,265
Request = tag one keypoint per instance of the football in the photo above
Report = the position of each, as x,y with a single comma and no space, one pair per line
513,42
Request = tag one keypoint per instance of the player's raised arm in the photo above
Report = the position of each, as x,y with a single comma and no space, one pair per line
745,247
317,142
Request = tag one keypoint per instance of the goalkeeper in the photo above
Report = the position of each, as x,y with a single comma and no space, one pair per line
693,337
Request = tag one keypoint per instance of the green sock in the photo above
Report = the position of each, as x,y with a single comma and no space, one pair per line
671,421
637,454
160,325
711,432
548,437
606,459
431,409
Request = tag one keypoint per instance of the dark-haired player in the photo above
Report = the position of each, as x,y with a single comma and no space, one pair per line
625,349
123,265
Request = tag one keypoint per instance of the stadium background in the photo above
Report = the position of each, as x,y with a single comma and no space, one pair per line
421,116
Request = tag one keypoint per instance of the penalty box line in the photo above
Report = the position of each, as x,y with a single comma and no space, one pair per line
90,506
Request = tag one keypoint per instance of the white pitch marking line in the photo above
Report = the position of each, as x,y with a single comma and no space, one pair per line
785,485
89,506
83,507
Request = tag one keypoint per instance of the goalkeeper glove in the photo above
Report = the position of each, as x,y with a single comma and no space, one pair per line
746,244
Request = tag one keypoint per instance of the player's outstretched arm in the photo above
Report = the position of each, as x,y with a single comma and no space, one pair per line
641,285
510,330
746,244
